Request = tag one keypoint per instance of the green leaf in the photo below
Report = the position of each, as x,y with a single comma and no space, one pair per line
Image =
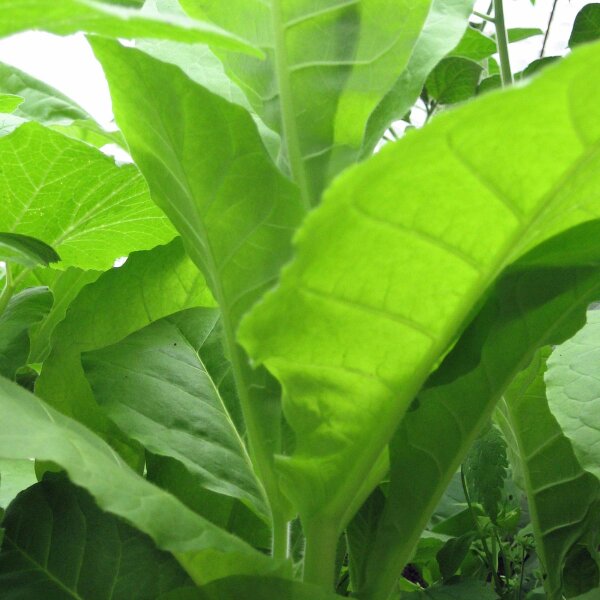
328,66
452,554
445,23
24,310
75,199
30,428
587,25
234,210
65,286
475,45
70,16
540,300
591,595
9,102
489,84
573,383
15,476
25,250
485,469
563,498
454,80
58,544
352,349
466,590
155,387
518,34
581,572
45,104
536,66
148,287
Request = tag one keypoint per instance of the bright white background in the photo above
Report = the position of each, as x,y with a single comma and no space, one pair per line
69,65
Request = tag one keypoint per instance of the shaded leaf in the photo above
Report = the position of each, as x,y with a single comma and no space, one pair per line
454,80
58,544
30,428
25,250
452,554
587,25
70,16
466,590
75,199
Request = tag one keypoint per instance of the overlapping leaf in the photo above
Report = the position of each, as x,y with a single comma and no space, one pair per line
403,248
75,199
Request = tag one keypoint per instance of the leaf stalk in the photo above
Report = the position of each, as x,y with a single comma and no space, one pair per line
502,43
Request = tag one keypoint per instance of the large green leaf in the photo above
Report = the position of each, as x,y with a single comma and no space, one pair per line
30,428
541,300
328,66
150,286
59,545
573,381
445,24
402,250
563,498
70,16
23,311
156,388
75,199
15,476
235,211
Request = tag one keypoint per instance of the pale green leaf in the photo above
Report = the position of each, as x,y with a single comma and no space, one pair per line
402,250
24,310
9,102
540,300
25,250
70,16
445,23
15,476
74,198
328,66
563,498
155,387
30,428
59,545
573,382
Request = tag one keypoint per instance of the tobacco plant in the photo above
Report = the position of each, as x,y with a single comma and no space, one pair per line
326,368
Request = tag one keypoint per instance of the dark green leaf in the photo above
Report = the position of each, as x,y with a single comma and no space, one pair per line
26,250
587,25
58,545
452,554
454,80
466,590
537,65
581,573
24,310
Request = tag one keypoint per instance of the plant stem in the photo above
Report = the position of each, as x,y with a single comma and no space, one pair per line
484,16
319,554
280,538
8,291
550,20
502,42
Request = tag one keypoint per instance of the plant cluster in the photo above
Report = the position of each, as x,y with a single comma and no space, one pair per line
352,351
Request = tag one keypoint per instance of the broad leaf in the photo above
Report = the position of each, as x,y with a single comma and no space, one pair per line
75,199
30,428
563,498
70,16
234,210
23,311
15,476
156,388
541,300
328,66
58,544
41,102
454,80
445,24
25,250
587,25
573,382
355,326
150,286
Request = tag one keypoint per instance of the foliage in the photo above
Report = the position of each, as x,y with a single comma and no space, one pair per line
322,371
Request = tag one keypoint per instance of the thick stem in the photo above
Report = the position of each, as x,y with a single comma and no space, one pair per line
502,42
319,555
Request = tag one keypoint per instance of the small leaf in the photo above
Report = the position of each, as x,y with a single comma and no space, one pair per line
9,102
475,45
587,25
485,469
517,34
454,80
59,544
452,554
26,250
